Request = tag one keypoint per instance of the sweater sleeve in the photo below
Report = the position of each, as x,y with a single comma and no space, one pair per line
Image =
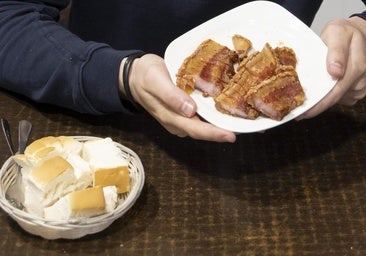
362,15
47,63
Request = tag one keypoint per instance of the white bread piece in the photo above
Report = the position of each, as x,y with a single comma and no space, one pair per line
82,171
33,198
111,198
43,148
49,181
70,146
118,176
107,163
22,160
83,204
47,147
103,154
32,160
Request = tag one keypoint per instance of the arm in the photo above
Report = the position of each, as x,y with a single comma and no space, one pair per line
45,62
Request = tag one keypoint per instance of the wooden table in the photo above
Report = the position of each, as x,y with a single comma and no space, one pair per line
299,189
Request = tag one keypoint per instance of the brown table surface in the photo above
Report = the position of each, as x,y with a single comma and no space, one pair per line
298,189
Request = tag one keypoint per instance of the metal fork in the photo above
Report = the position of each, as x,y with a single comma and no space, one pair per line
24,130
6,130
13,173
10,176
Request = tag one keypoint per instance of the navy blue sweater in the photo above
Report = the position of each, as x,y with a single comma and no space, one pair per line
78,67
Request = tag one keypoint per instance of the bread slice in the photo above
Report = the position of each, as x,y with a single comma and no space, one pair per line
39,150
118,176
102,154
83,203
48,182
107,163
70,146
47,147
82,171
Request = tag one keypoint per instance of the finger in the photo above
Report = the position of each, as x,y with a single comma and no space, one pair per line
352,97
328,101
170,95
195,128
348,101
341,94
338,50
178,101
198,129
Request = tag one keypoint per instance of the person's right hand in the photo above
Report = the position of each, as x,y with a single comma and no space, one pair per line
346,61
152,87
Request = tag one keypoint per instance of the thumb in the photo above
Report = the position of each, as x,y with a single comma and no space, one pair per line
157,90
181,103
338,50
172,97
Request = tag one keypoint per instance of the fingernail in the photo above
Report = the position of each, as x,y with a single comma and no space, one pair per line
230,138
337,68
299,118
187,109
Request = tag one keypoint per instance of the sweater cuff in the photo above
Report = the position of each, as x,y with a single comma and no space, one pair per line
100,80
361,15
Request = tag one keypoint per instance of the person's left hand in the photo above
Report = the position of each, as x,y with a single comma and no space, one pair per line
346,61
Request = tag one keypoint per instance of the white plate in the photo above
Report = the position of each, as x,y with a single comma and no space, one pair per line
261,22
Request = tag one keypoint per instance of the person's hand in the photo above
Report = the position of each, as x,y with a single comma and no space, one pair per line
346,61
152,87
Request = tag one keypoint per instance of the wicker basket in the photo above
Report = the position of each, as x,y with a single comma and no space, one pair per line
73,229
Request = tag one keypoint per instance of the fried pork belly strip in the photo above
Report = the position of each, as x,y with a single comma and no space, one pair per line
242,46
232,100
257,67
209,68
286,56
277,96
